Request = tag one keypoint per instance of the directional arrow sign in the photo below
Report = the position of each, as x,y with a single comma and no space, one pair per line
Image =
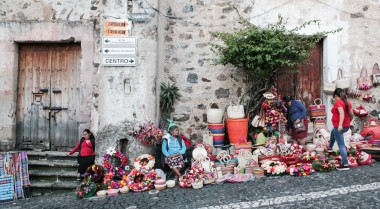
130,40
121,51
119,61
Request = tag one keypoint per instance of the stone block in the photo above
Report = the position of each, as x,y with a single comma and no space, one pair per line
192,78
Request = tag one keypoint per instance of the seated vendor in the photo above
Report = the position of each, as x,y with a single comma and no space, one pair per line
173,147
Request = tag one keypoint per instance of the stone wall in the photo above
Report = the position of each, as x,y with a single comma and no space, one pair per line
173,46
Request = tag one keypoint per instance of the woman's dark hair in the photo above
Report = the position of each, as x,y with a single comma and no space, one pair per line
91,136
287,98
172,129
342,94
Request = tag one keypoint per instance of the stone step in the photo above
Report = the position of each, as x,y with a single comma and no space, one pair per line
66,185
49,163
51,155
52,173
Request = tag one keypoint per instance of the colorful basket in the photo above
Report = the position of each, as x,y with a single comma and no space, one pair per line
218,139
317,109
216,128
238,130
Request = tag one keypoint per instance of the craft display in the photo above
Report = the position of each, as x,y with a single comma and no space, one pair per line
308,157
300,169
147,134
274,167
376,74
318,109
323,164
371,127
290,158
342,82
14,174
364,81
86,189
145,162
114,163
273,110
214,115
140,180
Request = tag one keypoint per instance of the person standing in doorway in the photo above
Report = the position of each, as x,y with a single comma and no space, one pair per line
86,156
341,116
296,113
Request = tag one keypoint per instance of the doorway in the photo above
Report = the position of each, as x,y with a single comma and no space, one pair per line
48,96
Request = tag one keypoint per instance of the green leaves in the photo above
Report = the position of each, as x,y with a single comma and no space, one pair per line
168,95
264,50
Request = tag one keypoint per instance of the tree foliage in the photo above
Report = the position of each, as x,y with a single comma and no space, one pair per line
264,52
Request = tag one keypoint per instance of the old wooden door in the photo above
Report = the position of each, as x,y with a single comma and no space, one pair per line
48,96
306,84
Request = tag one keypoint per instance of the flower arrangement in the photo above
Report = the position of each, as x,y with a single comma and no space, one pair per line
323,164
290,158
140,180
195,175
145,161
274,167
147,134
300,169
308,157
86,189
114,172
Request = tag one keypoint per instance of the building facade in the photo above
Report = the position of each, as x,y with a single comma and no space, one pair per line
55,82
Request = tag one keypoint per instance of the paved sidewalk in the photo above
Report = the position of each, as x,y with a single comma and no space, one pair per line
356,188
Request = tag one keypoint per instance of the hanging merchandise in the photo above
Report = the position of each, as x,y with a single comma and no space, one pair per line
360,111
353,93
317,109
329,88
364,81
342,82
376,74
367,97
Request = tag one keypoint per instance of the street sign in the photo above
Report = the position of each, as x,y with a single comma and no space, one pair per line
119,61
121,27
107,40
120,51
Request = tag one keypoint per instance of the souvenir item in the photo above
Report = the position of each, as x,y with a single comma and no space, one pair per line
214,115
317,109
364,81
341,81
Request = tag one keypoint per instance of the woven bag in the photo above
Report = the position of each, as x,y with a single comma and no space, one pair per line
317,109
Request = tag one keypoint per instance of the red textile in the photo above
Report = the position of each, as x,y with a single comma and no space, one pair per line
186,140
86,149
335,114
303,134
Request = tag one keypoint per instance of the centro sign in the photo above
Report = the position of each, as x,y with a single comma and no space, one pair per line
118,61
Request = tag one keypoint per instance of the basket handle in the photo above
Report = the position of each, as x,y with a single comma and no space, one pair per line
317,99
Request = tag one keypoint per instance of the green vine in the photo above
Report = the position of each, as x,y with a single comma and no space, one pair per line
264,52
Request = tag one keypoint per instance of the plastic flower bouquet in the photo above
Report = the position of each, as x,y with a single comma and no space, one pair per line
147,134
86,189
300,169
323,164
274,167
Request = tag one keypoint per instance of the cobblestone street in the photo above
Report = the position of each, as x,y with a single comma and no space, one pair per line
356,188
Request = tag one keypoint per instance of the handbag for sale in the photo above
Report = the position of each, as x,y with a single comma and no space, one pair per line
235,111
360,111
299,127
376,74
329,88
319,122
341,81
364,82
317,109
371,127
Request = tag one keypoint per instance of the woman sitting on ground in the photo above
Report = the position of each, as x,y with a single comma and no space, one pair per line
173,150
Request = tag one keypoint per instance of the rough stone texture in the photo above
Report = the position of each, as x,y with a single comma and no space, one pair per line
356,188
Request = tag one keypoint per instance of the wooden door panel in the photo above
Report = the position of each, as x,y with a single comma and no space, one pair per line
48,78
304,85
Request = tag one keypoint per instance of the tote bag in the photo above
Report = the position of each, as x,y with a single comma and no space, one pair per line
342,82
364,81
376,74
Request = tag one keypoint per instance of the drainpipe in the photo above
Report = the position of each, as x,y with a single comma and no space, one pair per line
160,58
